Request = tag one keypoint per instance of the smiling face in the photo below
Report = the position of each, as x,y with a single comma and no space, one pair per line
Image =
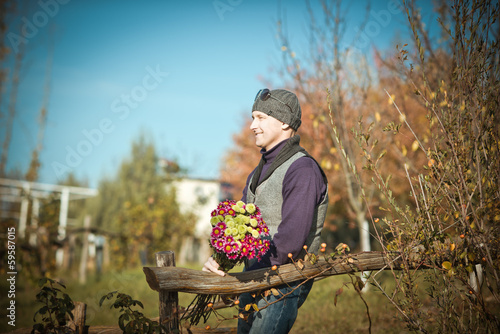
268,130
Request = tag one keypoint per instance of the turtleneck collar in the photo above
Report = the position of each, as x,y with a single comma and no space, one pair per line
273,152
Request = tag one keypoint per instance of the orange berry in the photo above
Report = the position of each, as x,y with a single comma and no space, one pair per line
377,220
322,250
344,246
274,267
323,245
431,162
210,304
305,247
290,255
236,302
207,327
462,236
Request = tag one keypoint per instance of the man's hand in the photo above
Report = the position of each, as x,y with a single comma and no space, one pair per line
212,266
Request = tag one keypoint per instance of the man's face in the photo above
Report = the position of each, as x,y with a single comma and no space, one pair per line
268,130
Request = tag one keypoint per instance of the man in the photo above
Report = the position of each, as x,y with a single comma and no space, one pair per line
291,191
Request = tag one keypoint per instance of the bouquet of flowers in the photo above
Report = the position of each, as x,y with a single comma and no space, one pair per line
238,233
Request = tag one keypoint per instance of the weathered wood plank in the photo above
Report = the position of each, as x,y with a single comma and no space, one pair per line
168,300
79,317
197,281
117,330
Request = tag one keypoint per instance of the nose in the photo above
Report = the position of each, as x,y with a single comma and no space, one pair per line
253,125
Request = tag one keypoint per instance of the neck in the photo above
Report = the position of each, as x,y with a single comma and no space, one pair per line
285,136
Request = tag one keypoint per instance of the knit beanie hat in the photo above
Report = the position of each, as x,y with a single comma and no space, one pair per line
280,104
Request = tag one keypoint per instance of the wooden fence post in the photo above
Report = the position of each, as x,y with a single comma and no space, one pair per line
79,317
169,300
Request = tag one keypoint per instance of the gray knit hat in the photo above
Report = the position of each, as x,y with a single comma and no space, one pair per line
280,104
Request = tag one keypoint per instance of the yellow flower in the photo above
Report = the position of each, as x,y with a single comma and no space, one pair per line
242,229
255,234
250,208
214,220
240,204
253,222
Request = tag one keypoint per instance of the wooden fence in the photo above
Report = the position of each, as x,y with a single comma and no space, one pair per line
168,280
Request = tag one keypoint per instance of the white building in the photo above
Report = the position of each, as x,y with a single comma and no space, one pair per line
200,197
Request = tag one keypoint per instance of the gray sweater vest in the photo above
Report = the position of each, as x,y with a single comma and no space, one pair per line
268,197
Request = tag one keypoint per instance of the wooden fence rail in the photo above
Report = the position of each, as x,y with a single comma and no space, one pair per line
168,280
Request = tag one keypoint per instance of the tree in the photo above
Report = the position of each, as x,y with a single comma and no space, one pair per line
138,209
13,50
454,221
8,105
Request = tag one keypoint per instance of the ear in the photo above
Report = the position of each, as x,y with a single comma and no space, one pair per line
285,126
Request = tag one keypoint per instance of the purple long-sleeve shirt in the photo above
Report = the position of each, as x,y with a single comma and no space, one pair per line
303,190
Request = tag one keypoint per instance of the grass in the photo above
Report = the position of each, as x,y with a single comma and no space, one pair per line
317,315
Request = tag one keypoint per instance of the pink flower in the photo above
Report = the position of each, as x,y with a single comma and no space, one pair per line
228,248
251,254
217,232
236,248
219,244
263,250
264,230
244,250
213,242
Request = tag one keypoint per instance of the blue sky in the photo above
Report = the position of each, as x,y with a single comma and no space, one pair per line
183,73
